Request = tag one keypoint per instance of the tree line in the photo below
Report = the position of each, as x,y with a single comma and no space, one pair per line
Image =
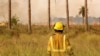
83,11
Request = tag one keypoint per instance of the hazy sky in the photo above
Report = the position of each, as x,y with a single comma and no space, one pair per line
40,9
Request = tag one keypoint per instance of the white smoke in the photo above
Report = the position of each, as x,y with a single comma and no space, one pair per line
40,9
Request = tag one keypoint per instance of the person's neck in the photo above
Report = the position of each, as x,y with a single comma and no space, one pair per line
58,32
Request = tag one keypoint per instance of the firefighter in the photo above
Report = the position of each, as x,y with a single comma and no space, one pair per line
58,44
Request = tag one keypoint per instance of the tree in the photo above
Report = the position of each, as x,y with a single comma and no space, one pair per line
15,29
67,12
29,14
9,22
86,16
14,20
82,12
49,21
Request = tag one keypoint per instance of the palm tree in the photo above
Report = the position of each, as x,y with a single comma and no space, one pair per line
67,12
82,12
29,14
49,21
86,16
9,23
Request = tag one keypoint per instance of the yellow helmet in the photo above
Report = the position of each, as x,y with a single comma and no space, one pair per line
58,26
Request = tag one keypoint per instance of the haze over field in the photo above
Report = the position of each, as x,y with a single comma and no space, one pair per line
40,8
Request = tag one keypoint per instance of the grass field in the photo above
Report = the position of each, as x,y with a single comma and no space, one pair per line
35,44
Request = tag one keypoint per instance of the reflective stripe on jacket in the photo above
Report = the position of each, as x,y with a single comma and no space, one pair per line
53,40
58,50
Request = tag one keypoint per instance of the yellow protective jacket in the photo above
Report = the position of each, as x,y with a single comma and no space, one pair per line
57,45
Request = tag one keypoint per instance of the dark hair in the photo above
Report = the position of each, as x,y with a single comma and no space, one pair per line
60,31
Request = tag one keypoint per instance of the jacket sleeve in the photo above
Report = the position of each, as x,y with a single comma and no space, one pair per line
68,46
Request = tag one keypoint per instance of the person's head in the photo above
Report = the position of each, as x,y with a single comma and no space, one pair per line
58,27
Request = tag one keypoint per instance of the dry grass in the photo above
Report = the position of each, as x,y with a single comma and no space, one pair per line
84,43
